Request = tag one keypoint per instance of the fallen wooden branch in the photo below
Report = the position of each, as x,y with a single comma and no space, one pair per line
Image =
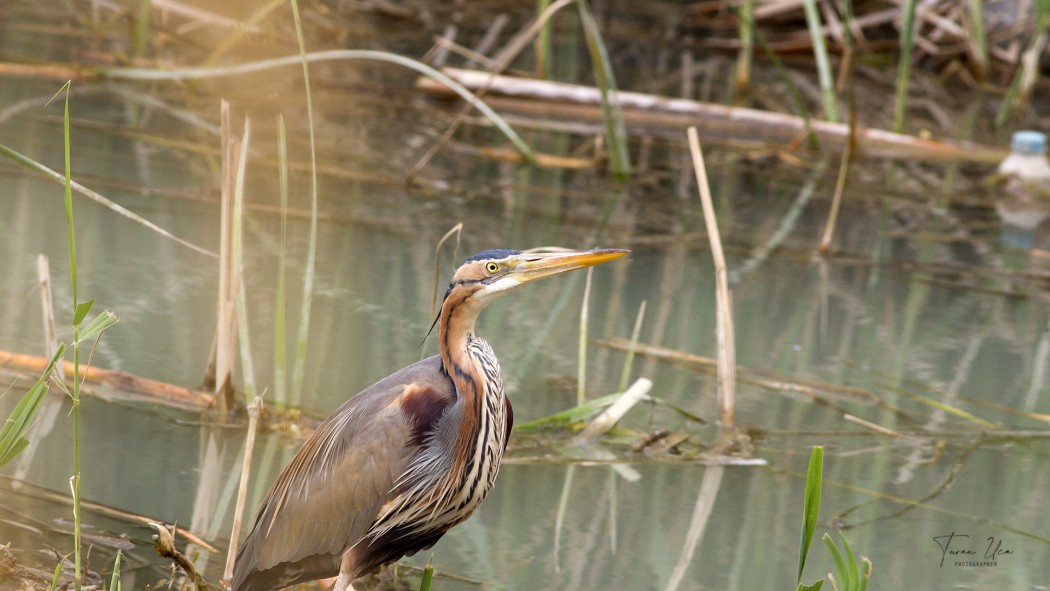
577,108
109,384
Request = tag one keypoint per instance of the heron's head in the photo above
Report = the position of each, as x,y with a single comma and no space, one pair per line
491,273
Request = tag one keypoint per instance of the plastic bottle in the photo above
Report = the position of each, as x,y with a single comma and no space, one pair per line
1027,160
1023,201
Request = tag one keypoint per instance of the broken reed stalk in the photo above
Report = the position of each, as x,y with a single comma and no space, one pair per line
244,339
254,410
724,331
612,415
225,316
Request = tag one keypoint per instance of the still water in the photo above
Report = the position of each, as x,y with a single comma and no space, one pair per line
915,306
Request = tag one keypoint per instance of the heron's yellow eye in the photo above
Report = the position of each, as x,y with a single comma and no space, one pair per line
491,268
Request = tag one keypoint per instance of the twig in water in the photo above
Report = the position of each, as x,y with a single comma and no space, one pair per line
164,544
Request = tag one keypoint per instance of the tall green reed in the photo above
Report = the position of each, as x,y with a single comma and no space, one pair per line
907,40
299,367
615,128
810,510
820,54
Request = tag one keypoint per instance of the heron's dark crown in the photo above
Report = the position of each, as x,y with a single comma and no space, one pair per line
496,253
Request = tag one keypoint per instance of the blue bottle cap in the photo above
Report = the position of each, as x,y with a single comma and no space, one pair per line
1028,142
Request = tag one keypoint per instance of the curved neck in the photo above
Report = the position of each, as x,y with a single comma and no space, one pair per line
455,330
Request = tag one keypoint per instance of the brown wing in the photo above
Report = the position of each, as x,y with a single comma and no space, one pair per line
329,494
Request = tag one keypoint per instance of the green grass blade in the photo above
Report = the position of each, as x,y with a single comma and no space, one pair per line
54,578
428,577
811,506
820,54
35,166
907,39
18,422
851,565
280,338
104,320
81,311
865,574
298,373
543,43
629,359
114,581
615,129
841,572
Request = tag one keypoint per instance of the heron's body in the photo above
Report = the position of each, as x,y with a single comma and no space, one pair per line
397,465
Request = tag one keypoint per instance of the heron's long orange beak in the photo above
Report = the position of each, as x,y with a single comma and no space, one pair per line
537,265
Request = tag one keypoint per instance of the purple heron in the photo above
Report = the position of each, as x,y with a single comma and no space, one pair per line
397,465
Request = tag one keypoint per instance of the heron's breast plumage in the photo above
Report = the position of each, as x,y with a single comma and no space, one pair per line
454,468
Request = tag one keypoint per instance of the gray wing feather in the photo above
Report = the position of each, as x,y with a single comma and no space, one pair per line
329,494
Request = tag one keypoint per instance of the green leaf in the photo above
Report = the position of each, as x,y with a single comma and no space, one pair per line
865,573
615,129
428,577
81,311
12,434
811,506
15,449
840,562
104,320
568,417
114,581
851,564
54,580
814,587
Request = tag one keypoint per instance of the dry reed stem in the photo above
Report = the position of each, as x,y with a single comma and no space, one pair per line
226,318
724,332
254,410
878,428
